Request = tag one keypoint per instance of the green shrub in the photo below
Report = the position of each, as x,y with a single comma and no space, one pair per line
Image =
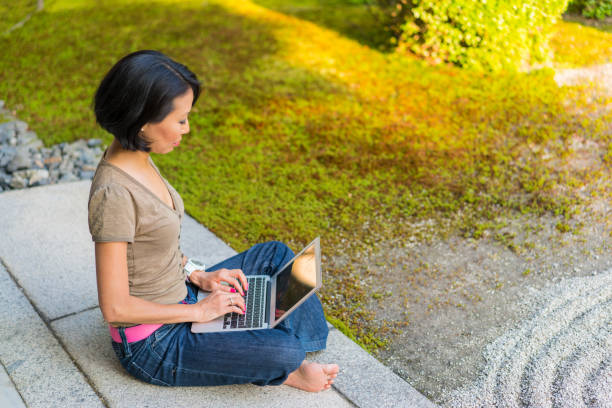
599,9
489,35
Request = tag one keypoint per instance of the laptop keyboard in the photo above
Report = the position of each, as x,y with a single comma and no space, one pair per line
255,303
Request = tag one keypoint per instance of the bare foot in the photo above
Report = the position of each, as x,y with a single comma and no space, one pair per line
313,377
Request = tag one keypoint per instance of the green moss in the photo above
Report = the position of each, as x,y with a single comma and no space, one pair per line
563,227
338,324
13,12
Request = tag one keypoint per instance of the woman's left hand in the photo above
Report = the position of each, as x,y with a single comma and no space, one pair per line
211,281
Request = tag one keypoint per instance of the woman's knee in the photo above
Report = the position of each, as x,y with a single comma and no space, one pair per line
279,246
276,255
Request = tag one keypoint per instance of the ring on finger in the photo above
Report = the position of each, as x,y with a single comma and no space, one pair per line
231,301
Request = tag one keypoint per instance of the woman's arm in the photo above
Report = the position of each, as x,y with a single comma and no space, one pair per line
118,306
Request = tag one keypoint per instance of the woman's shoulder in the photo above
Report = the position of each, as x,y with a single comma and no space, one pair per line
109,194
108,178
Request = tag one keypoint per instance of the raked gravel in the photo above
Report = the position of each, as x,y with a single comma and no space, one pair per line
561,356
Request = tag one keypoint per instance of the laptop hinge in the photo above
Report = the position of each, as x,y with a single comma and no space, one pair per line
268,298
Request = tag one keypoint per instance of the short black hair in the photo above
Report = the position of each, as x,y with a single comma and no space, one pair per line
140,89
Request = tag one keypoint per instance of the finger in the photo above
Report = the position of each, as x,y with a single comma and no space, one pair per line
243,280
234,300
235,284
226,289
236,309
239,300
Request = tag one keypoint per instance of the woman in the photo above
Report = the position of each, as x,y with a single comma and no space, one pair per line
144,293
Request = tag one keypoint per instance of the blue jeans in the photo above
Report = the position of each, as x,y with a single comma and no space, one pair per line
174,356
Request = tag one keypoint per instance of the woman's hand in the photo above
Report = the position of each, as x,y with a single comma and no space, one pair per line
218,303
212,281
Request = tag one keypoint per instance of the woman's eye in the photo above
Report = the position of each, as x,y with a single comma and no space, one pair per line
182,122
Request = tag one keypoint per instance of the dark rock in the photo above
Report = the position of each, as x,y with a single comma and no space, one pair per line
20,161
87,157
5,180
26,138
34,144
88,168
86,175
66,165
38,177
7,131
21,126
74,147
54,175
7,153
68,177
94,142
53,160
18,181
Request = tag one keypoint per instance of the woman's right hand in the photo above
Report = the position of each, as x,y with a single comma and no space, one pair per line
218,303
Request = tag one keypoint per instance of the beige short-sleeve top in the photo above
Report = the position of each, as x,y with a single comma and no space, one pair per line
122,209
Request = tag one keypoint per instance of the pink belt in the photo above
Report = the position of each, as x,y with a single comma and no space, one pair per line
134,333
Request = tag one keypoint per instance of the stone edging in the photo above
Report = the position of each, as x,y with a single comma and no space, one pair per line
25,162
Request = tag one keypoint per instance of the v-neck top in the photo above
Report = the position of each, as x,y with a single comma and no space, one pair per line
121,209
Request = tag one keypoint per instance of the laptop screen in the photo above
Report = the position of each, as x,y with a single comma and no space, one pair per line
296,280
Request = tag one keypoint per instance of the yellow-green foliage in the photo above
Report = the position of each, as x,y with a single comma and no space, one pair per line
302,132
576,45
489,35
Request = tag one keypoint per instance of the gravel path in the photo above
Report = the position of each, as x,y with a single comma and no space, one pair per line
560,357
600,75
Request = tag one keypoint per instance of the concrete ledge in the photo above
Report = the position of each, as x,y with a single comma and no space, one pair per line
364,380
88,341
47,246
9,397
40,368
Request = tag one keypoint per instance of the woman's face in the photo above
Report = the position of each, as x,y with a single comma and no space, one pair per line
166,135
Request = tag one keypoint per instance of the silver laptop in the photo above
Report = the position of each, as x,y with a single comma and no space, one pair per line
270,299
